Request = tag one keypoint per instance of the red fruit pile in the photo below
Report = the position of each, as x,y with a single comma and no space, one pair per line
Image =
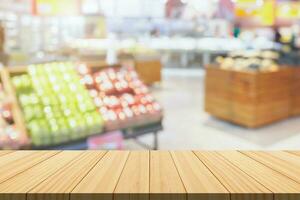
122,99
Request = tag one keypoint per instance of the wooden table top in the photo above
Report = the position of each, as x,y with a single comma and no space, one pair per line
97,175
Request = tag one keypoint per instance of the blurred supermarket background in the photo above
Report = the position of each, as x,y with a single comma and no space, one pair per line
154,74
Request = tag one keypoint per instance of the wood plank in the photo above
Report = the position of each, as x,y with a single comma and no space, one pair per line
199,182
284,163
17,187
80,175
134,180
102,179
240,185
59,185
165,182
19,161
16,110
282,186
4,152
297,153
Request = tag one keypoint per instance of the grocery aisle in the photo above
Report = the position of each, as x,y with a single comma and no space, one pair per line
187,126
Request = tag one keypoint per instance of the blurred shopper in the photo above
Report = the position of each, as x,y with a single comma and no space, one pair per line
293,42
236,30
277,35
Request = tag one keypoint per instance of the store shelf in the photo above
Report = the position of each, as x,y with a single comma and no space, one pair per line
151,175
128,133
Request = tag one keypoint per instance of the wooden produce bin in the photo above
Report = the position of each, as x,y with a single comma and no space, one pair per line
148,69
250,99
218,100
295,107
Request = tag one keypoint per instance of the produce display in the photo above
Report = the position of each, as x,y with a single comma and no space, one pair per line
57,108
9,134
122,99
250,61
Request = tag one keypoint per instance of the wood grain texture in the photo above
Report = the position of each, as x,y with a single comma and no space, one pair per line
239,184
5,152
282,186
154,175
149,70
251,99
101,181
17,162
134,180
16,110
294,152
24,182
60,184
165,182
199,182
282,162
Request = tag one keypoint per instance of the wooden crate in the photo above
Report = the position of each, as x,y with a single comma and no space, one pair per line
218,98
220,107
250,99
295,93
243,82
149,70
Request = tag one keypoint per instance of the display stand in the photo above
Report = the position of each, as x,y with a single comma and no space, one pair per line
148,68
248,98
295,108
132,132
128,133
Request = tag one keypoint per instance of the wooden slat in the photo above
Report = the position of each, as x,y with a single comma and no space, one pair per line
102,179
2,153
240,185
17,187
95,175
19,161
59,185
294,152
134,180
282,186
165,182
199,182
282,162
16,110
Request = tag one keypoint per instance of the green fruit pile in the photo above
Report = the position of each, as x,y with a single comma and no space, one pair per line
56,106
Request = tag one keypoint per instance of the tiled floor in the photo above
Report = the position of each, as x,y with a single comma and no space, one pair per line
187,126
